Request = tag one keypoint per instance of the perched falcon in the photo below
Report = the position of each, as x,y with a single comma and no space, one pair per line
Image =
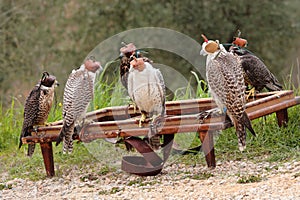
255,71
226,83
37,107
78,93
147,89
126,55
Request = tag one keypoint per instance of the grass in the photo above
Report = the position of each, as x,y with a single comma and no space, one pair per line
272,143
249,179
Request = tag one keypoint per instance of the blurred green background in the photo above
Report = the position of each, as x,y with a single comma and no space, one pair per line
55,36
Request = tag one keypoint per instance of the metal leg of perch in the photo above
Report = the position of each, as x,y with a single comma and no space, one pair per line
207,140
48,158
282,117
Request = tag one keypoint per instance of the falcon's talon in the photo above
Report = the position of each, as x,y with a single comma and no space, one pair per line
133,105
215,112
251,93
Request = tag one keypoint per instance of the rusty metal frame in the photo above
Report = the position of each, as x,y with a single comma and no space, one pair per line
181,117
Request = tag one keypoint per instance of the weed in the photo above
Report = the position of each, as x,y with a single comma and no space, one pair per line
104,170
201,176
297,175
249,179
4,186
115,190
88,177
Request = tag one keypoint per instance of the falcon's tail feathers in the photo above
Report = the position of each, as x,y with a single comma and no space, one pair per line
240,127
30,151
24,133
20,142
64,131
241,135
274,86
246,122
154,139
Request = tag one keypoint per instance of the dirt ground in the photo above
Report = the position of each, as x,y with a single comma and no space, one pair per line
230,180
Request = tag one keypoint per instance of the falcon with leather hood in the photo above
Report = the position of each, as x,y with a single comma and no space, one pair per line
78,93
146,88
226,84
255,71
37,107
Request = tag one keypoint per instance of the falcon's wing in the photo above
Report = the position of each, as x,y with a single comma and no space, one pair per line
258,73
160,80
77,95
31,109
124,71
130,86
226,81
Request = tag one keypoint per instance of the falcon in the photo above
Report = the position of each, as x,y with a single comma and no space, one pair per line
37,107
126,55
78,93
146,88
255,71
226,83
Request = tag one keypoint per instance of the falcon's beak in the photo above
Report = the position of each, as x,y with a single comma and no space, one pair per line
56,83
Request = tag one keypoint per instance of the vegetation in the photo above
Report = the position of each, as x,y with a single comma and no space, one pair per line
249,179
56,36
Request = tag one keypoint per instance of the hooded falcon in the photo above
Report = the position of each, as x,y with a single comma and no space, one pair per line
126,55
78,93
255,71
226,83
146,88
37,107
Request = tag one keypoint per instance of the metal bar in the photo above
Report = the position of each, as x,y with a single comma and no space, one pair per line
180,107
207,147
282,117
173,124
269,109
47,153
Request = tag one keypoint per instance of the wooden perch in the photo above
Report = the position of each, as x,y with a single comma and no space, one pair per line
181,117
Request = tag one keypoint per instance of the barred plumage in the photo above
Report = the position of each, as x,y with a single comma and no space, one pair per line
78,93
37,107
226,83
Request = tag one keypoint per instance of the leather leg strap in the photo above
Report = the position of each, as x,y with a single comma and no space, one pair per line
150,164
